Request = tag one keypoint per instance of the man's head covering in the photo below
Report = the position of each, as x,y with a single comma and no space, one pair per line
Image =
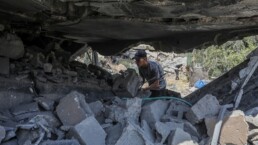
140,54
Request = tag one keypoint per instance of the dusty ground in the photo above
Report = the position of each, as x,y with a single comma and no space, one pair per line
181,85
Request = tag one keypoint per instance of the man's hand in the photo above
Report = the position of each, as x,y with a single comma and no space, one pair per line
153,86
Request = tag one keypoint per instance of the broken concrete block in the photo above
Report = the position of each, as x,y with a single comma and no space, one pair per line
127,84
252,122
164,129
113,133
177,109
89,132
252,112
252,134
153,111
178,136
97,107
9,135
5,66
130,136
25,108
149,132
234,129
61,142
72,109
207,106
45,103
2,133
210,123
125,110
189,128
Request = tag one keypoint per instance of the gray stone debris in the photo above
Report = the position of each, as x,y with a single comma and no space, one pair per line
252,121
26,108
125,110
207,106
127,84
89,132
45,103
123,122
177,109
252,112
253,135
148,131
178,136
164,129
97,108
130,136
113,133
153,112
73,108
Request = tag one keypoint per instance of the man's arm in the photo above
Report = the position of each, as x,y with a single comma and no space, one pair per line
156,77
153,86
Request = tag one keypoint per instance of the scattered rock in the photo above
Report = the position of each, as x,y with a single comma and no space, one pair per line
153,112
97,107
149,132
210,123
177,109
72,109
253,134
130,136
252,121
178,136
45,103
234,129
26,108
164,129
113,133
207,106
89,132
125,110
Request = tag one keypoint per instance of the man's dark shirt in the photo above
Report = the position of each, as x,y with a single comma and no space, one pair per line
152,73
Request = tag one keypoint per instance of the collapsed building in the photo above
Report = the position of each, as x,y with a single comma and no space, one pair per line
47,98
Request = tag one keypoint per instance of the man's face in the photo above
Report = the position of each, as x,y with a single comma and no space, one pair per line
141,62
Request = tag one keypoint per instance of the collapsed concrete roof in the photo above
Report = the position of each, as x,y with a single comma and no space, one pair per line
110,26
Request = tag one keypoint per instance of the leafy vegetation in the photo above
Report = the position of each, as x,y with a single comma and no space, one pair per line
217,60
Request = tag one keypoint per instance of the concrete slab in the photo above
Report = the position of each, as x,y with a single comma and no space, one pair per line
178,136
72,109
153,112
89,132
207,106
113,133
25,108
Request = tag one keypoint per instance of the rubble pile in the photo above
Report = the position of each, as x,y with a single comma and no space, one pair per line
135,121
54,69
